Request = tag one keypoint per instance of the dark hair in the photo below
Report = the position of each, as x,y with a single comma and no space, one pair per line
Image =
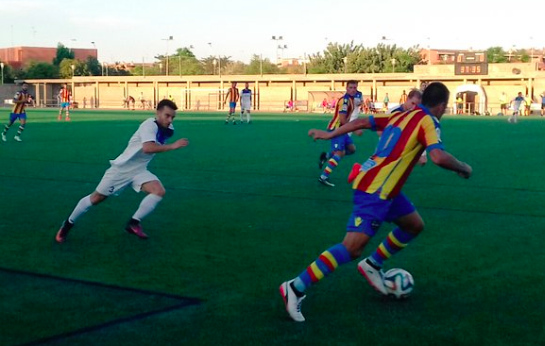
435,94
166,103
414,93
352,81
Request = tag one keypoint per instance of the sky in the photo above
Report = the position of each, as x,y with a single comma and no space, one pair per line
136,31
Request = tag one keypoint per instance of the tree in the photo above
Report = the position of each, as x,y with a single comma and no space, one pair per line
258,65
235,67
210,68
524,56
65,68
496,55
93,66
39,70
62,53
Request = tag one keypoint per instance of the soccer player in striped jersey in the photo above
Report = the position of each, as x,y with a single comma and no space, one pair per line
233,97
21,99
411,101
246,104
342,145
66,98
377,193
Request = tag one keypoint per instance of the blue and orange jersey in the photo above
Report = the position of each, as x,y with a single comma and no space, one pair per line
233,94
344,108
65,95
19,108
405,136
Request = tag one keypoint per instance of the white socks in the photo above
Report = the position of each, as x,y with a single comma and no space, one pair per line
147,205
81,208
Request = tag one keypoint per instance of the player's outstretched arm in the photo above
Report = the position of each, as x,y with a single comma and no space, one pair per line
152,147
358,124
445,160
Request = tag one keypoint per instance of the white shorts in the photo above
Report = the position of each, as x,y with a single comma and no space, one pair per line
114,182
246,106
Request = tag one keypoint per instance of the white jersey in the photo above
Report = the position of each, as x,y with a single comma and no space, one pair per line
246,97
133,158
358,100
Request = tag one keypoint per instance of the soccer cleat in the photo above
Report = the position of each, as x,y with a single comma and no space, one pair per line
18,139
4,139
292,301
59,117
134,227
325,181
67,119
356,169
373,275
63,231
322,160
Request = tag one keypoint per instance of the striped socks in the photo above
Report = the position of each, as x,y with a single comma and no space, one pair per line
328,261
396,241
331,164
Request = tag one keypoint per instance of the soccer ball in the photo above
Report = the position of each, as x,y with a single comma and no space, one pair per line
399,283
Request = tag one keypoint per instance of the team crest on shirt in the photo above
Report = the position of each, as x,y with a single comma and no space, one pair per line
358,221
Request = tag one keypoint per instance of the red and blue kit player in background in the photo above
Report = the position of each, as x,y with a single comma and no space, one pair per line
66,98
342,145
233,97
21,99
377,193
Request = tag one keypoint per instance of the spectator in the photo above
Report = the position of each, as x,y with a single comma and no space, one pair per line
503,103
84,102
542,103
130,102
403,98
325,105
528,105
142,100
386,101
289,106
459,104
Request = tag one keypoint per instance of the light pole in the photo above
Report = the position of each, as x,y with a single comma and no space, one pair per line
393,61
73,67
345,61
532,49
214,62
261,64
279,46
429,51
170,38
2,68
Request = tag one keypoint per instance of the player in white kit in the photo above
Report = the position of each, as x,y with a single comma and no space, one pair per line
246,104
130,168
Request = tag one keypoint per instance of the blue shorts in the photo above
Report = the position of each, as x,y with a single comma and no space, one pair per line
232,105
340,143
370,211
13,117
65,104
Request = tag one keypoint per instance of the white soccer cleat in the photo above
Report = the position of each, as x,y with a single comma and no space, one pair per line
373,276
292,302
4,139
18,139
